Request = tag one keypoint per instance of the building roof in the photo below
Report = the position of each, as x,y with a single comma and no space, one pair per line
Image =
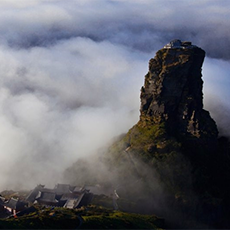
78,188
70,203
12,203
63,195
67,196
47,197
77,202
62,189
32,195
2,199
176,43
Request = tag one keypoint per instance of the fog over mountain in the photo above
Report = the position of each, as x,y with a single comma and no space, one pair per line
71,74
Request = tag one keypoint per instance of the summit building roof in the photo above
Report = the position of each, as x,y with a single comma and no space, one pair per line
176,43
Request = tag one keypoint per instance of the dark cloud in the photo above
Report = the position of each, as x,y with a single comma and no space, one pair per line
145,26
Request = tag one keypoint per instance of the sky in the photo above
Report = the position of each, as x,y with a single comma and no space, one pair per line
71,73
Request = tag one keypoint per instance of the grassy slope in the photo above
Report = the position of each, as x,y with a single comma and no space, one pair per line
122,220
99,217
94,217
43,219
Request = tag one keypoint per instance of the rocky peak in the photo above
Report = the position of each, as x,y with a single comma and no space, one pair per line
177,138
174,132
172,92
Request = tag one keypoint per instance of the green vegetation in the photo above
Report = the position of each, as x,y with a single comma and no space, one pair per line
101,218
90,217
58,218
146,140
102,200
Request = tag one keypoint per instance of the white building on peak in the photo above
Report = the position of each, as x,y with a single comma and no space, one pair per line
176,43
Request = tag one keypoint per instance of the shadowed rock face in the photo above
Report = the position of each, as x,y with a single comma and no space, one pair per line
172,93
172,155
172,118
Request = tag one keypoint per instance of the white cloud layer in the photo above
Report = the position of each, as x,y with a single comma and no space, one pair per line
71,74
62,102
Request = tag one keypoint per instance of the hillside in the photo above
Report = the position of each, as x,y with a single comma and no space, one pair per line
92,217
172,163
174,151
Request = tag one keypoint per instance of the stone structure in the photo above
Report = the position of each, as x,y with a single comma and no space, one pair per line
62,195
176,43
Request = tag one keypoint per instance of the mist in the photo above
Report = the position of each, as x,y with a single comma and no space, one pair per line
63,106
71,75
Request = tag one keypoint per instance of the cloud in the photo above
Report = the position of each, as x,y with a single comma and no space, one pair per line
145,26
63,102
71,74
216,92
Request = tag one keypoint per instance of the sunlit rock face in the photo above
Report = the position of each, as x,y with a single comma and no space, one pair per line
172,93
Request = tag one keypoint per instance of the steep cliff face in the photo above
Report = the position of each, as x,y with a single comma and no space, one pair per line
172,93
172,117
174,135
171,162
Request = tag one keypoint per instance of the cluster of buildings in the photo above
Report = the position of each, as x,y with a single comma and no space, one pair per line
11,206
62,195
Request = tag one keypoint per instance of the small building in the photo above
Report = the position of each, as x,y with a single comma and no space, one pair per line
32,195
62,195
46,198
15,205
186,43
72,200
176,43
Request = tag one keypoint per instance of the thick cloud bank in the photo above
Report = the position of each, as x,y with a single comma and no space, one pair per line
71,74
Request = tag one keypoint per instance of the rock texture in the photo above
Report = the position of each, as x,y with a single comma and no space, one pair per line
174,131
172,93
172,118
171,162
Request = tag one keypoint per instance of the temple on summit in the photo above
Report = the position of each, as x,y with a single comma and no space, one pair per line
176,43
